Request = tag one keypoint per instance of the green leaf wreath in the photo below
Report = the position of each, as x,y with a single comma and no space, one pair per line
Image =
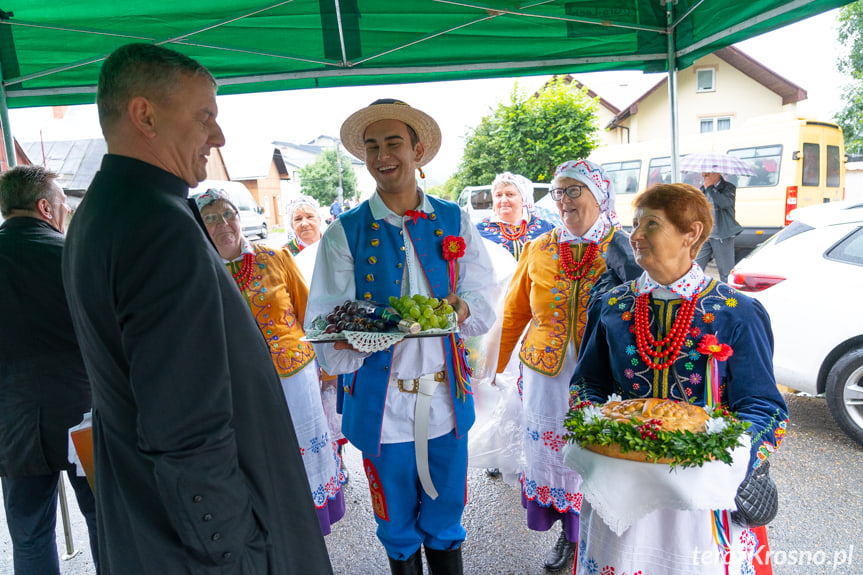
586,424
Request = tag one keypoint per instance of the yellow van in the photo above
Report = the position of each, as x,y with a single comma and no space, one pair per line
798,162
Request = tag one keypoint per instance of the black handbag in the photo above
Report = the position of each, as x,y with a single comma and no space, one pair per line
757,499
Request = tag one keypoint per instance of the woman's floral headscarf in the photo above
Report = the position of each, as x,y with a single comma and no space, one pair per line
594,177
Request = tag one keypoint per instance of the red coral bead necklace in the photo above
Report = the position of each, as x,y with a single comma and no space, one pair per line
512,236
648,347
244,276
577,271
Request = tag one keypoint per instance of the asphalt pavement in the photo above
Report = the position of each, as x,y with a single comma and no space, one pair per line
817,470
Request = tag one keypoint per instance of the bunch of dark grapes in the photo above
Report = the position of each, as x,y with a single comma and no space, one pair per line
350,317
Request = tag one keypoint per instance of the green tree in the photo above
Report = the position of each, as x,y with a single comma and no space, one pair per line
851,36
530,135
320,179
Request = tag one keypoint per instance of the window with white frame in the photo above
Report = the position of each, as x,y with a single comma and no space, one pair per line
705,80
715,124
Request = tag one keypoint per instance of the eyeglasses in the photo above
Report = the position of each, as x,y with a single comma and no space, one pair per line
574,191
226,216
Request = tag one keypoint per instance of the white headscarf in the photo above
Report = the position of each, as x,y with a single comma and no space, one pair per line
302,202
593,176
524,186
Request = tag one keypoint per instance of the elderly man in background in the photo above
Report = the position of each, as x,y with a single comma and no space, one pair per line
43,383
720,246
197,464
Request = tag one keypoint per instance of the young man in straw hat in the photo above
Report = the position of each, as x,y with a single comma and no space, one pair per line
407,408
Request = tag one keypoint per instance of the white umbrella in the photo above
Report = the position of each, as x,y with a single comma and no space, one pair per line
715,162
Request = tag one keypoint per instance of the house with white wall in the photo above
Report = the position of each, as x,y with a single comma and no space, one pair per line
720,91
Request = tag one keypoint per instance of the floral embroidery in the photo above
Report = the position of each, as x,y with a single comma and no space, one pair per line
695,378
708,318
636,386
612,301
628,373
731,302
626,316
694,355
631,350
689,365
634,361
695,332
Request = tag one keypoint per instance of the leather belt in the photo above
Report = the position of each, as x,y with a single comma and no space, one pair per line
424,386
415,383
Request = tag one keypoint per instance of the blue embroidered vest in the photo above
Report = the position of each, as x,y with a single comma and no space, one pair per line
379,260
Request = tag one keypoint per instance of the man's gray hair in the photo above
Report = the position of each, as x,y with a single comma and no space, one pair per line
136,70
23,186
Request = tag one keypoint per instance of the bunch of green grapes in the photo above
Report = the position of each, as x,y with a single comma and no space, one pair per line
430,312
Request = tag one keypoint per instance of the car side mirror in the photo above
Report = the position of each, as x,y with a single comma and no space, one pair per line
259,209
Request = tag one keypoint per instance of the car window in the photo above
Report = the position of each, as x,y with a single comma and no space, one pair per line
833,166
790,231
624,175
849,249
481,199
811,164
765,160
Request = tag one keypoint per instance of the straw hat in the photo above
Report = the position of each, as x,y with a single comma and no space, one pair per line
354,128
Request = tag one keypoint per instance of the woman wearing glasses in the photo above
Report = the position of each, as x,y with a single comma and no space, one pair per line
557,277
276,294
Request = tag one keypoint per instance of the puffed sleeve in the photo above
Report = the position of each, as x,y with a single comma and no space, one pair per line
749,381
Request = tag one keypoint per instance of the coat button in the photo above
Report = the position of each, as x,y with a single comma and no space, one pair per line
207,517
197,499
216,536
226,555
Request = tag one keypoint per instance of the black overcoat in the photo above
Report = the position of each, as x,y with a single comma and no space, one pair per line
43,384
198,470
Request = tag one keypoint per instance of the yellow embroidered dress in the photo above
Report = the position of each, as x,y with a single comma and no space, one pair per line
277,295
555,308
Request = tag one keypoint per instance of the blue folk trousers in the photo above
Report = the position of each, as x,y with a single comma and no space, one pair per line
407,517
31,515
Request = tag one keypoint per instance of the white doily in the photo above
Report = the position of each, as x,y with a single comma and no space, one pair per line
623,491
368,342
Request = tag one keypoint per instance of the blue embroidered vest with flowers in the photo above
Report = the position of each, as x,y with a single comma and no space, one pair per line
379,259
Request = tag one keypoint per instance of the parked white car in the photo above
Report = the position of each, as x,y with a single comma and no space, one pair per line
809,277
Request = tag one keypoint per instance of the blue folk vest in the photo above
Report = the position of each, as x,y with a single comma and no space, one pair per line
379,260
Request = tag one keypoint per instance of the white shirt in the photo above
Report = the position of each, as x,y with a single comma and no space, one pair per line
333,283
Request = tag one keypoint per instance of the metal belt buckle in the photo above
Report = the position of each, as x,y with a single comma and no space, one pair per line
440,376
414,389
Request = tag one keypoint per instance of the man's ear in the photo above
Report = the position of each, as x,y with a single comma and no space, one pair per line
142,115
419,151
43,206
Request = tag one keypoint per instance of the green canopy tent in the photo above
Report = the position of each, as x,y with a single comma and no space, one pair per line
51,51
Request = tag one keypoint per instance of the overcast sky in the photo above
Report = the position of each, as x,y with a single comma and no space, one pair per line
804,53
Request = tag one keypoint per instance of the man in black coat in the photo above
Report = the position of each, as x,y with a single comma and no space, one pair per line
198,470
43,384
720,246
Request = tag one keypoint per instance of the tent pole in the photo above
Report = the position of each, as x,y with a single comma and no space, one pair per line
672,93
4,123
